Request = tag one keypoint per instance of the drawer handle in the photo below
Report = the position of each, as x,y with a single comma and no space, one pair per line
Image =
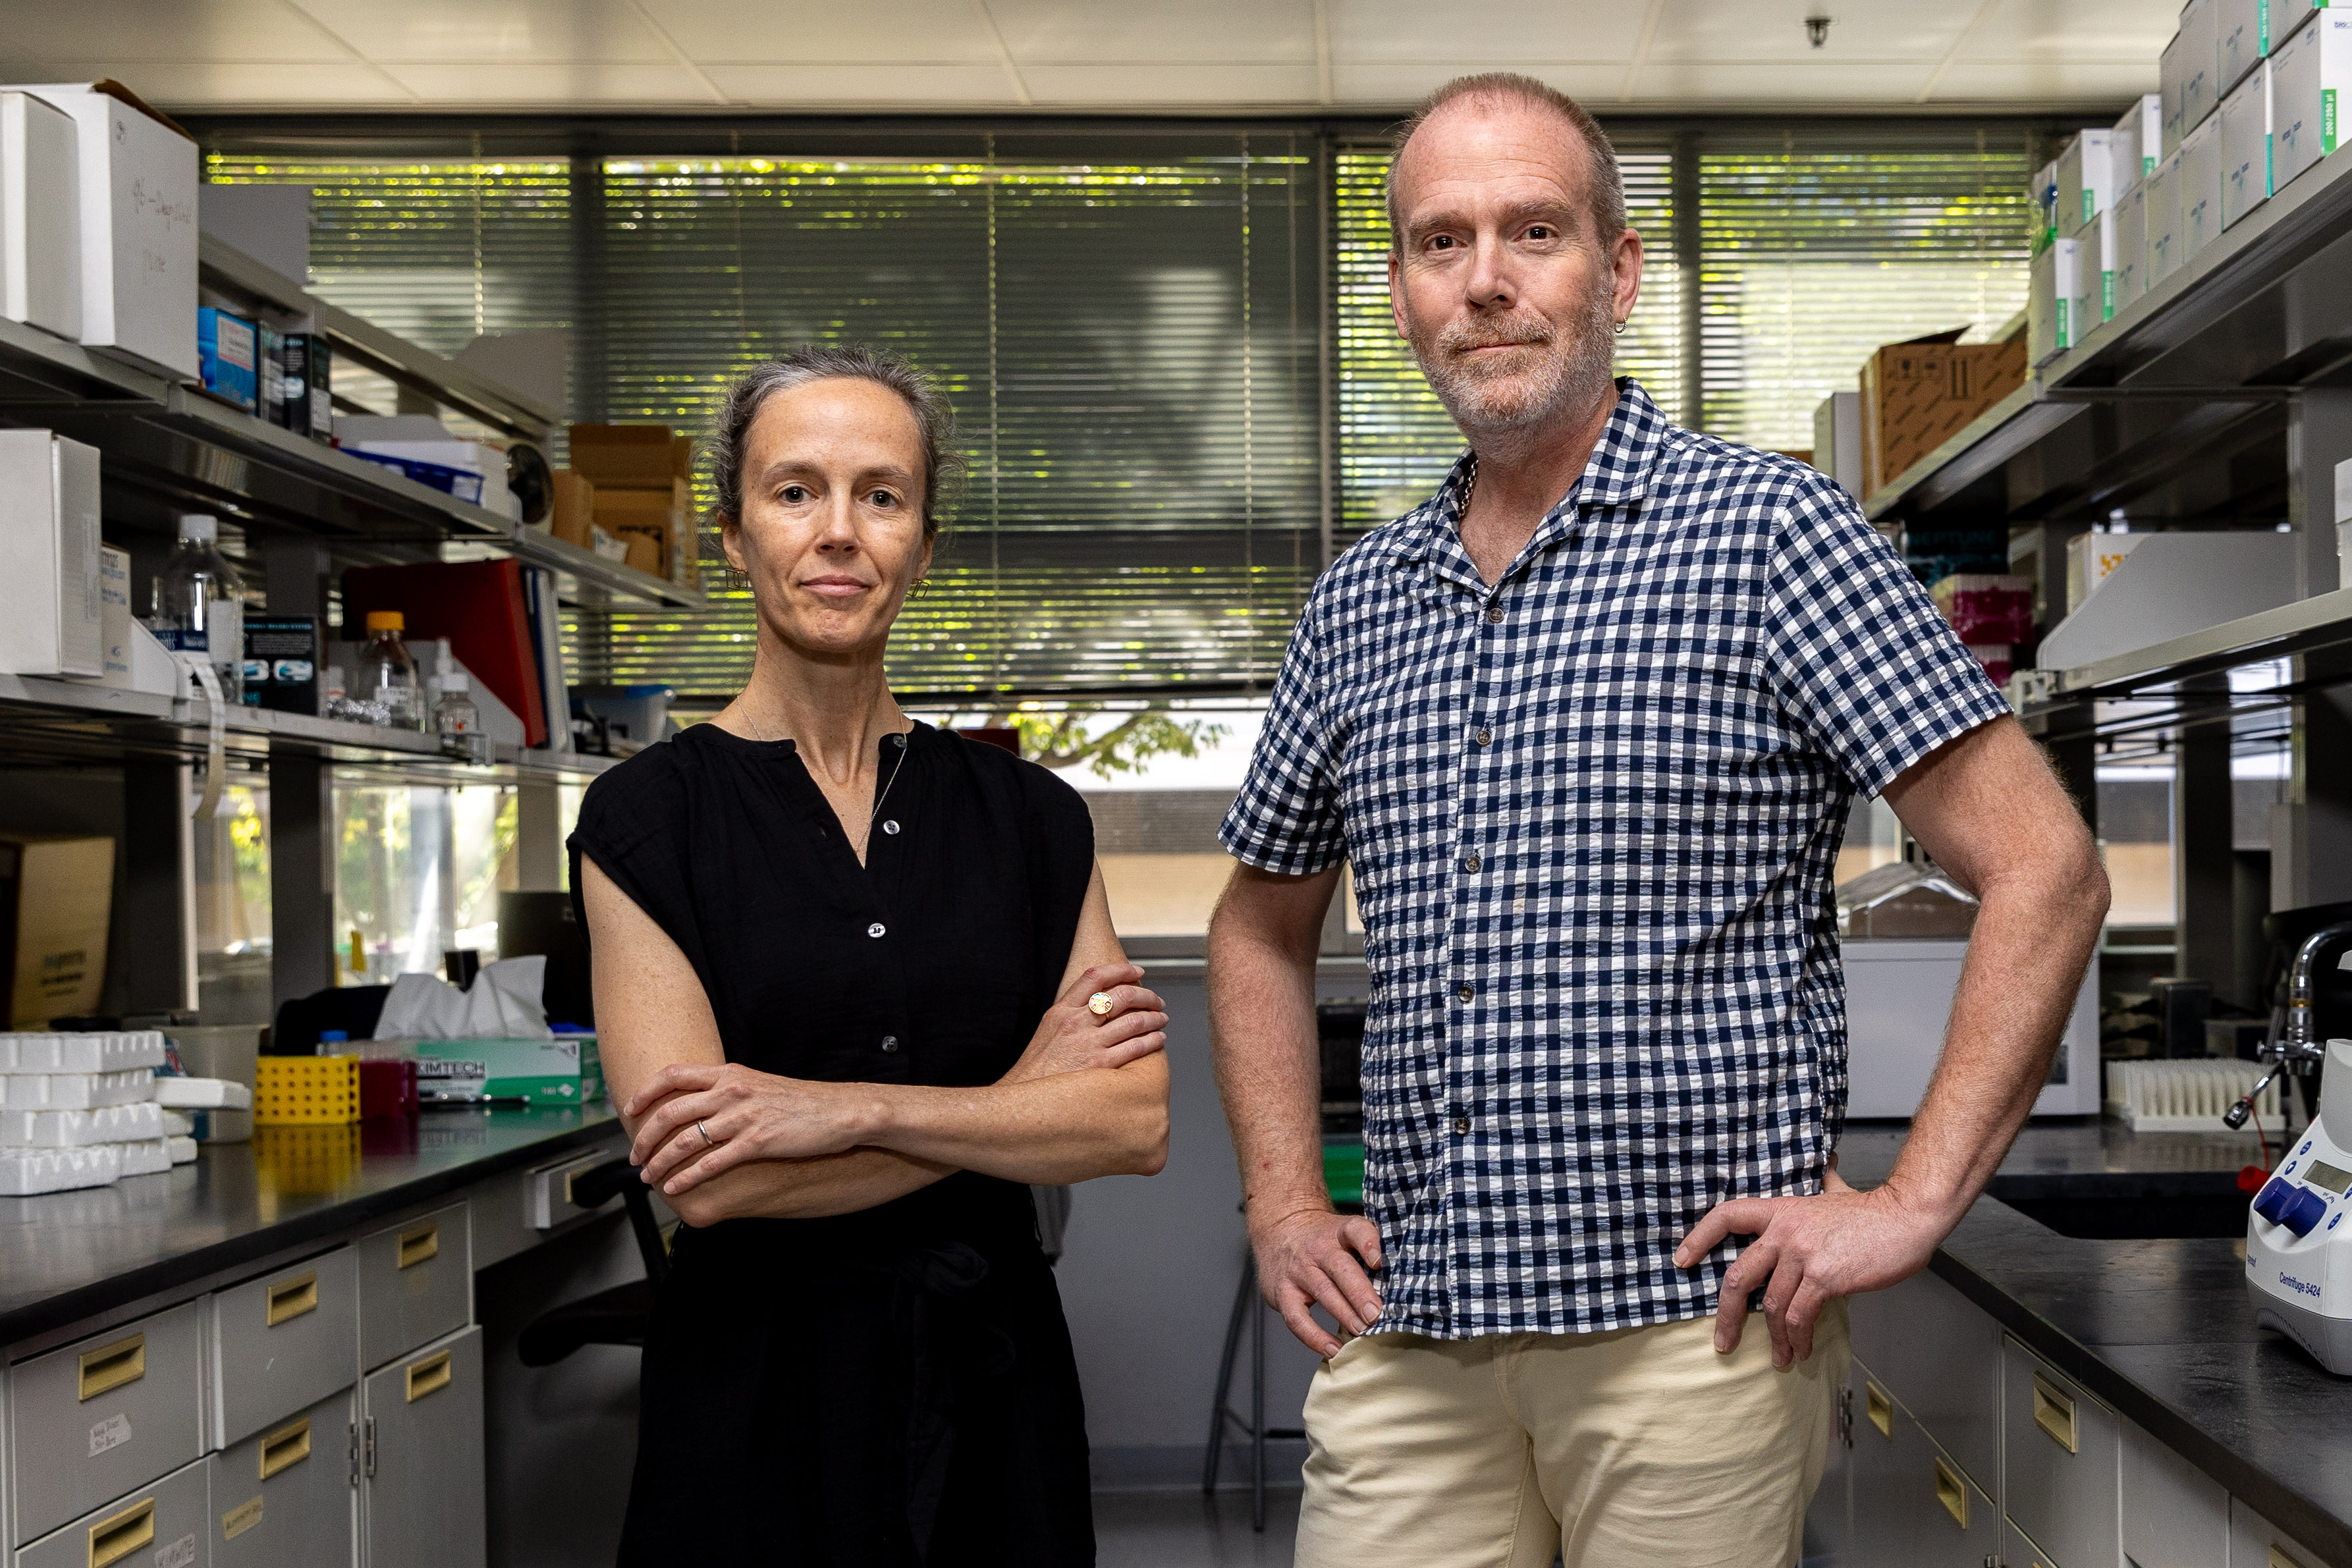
420,1245
1952,1492
430,1375
110,1366
292,1298
286,1447
112,1539
2054,1413
2280,1559
1880,1404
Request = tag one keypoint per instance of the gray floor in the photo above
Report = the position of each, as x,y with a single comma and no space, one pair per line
1185,1529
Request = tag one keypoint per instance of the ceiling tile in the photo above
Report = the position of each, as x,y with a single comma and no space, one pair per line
247,84
1240,32
2045,81
464,31
1389,84
227,31
582,84
726,33
1706,84
1758,30
1121,86
2095,29
925,85
1506,32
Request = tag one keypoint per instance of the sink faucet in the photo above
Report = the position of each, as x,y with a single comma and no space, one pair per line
2292,1044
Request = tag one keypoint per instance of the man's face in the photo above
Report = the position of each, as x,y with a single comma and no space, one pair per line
1506,294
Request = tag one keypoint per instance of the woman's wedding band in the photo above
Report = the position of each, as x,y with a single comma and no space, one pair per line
707,1140
1100,1004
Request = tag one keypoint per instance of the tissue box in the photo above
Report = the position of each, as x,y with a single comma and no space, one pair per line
561,1071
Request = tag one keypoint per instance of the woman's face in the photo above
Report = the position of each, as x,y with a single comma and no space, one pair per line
832,531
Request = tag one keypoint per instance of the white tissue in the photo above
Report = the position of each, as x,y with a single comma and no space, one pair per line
503,1004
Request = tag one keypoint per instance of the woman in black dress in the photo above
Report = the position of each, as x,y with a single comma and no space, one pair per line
856,986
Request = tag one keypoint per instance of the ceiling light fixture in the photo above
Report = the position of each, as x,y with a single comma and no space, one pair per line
1817,30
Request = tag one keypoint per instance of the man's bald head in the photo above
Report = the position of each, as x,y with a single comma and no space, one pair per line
1604,191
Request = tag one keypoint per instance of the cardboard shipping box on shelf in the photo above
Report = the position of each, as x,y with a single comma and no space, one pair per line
2160,222
654,522
52,615
2144,120
2246,146
2127,269
2186,73
57,897
40,215
2089,175
137,190
2311,78
2050,299
2094,283
1917,395
630,456
2200,189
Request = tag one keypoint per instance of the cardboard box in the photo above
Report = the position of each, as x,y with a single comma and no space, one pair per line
646,549
2310,74
1837,440
310,408
2095,281
228,357
1916,396
138,197
2200,188
564,1069
2187,74
2087,179
2126,265
2050,300
2248,31
663,514
40,215
625,456
2145,120
573,511
52,619
2160,222
2246,146
57,897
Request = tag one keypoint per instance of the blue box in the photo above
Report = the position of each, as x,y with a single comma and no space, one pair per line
454,482
227,356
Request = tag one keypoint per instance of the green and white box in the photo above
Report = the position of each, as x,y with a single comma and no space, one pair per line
2200,188
2043,193
2051,299
2126,265
2311,79
2088,178
564,1069
2187,74
2160,221
2144,122
2245,31
2094,278
2246,146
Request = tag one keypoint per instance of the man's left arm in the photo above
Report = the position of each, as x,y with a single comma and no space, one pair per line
1995,818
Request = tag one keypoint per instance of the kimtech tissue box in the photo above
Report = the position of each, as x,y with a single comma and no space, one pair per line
2246,146
2309,76
563,1070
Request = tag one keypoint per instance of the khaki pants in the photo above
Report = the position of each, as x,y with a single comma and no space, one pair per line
1635,1446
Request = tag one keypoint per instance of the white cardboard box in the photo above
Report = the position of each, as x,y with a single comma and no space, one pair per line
2310,75
40,215
2087,179
1837,439
2055,274
2200,188
2094,278
2245,31
2246,146
2126,265
2160,222
2144,120
2187,74
138,227
115,614
52,621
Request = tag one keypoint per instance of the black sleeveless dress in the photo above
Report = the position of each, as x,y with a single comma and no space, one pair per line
895,1386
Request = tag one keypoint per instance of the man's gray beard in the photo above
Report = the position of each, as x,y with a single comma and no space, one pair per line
1573,377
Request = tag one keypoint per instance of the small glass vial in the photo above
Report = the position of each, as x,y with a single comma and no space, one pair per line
455,719
387,674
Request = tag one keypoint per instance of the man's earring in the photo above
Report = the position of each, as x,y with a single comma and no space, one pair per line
1620,327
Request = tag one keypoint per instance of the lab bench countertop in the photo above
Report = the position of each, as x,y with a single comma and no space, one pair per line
69,1256
2160,1330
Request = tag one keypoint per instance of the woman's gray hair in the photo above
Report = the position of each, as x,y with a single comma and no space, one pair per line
943,462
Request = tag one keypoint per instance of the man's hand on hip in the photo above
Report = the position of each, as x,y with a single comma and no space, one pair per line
1809,1250
1312,1256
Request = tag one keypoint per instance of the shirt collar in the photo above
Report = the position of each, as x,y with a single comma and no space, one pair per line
1616,474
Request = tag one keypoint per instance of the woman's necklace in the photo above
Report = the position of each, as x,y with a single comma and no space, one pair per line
882,795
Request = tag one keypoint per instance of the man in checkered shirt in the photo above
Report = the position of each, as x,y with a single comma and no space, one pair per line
1587,725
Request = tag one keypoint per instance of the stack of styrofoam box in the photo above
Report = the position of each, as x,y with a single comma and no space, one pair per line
188,1101
79,1109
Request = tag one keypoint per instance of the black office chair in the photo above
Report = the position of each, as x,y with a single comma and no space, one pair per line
616,1316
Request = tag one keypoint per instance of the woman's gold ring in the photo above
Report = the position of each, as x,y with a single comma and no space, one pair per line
1100,1004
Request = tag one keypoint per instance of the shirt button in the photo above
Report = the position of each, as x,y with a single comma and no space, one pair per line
891,825
889,1042
1461,1124
876,929
1470,862
1483,736
1494,615
1465,991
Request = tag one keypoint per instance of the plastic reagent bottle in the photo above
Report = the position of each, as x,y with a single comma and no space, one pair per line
199,604
455,717
387,674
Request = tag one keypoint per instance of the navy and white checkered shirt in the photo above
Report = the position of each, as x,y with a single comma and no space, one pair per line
1591,813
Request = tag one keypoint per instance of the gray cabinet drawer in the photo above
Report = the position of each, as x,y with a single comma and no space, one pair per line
1959,1525
284,1496
1829,1518
159,1526
415,1284
2017,1552
1939,1352
2061,1462
2174,1515
1887,1448
422,1437
2256,1542
282,1342
100,1417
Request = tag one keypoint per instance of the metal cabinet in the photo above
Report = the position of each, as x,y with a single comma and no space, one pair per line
415,1284
1890,1455
2174,1515
1958,1525
1829,1518
284,1495
1941,1356
282,1342
2256,1542
2061,1462
421,1503
160,1526
101,1417
2017,1551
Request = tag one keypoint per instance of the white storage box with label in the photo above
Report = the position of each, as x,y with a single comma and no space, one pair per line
2246,146
2128,268
40,215
2200,188
2160,222
138,227
2186,73
52,618
2246,31
2092,277
2144,120
2055,274
2087,179
2309,77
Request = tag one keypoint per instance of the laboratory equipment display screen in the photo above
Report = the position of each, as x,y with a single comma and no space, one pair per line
2327,1176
